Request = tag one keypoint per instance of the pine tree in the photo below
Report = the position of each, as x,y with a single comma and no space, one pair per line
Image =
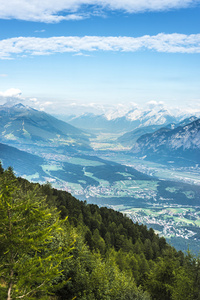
32,242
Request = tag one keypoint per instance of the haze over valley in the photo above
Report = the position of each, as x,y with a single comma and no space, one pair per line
150,173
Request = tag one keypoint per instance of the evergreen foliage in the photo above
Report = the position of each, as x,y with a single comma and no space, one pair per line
33,243
112,258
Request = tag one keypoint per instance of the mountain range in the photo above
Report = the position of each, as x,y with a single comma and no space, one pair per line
129,138
24,125
126,120
176,145
41,134
62,154
53,149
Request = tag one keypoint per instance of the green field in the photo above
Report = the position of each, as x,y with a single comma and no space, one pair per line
84,162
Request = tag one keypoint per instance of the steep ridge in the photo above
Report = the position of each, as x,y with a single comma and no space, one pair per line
166,144
23,124
129,138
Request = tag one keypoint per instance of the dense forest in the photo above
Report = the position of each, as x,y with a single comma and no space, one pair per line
53,246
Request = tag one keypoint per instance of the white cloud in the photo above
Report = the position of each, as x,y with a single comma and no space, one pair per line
3,75
40,31
50,11
34,100
168,43
11,96
11,93
81,54
46,105
153,103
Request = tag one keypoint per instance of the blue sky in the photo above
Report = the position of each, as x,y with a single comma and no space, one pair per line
54,54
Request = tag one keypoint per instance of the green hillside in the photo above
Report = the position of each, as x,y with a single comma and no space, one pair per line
94,253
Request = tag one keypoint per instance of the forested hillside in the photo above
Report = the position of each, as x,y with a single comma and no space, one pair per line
53,246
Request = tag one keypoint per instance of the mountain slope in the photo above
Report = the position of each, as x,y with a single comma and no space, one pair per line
110,256
129,138
23,163
23,124
168,144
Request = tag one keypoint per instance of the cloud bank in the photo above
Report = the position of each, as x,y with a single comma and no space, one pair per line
168,43
65,108
10,96
49,11
12,92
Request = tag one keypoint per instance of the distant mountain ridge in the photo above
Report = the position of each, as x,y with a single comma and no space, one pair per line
24,124
121,121
129,138
182,142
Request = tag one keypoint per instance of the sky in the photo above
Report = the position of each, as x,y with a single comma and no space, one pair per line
57,55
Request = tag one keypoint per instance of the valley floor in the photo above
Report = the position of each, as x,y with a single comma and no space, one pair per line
164,198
